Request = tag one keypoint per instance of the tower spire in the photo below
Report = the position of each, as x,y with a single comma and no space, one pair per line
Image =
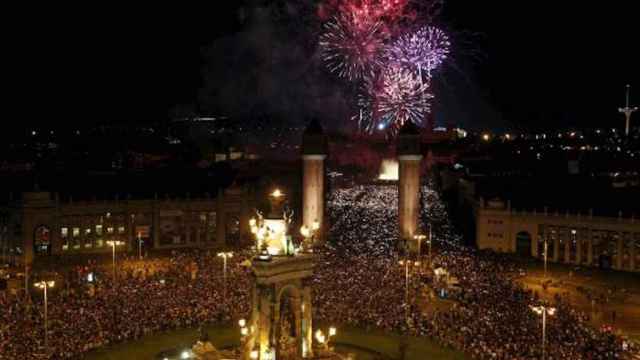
627,111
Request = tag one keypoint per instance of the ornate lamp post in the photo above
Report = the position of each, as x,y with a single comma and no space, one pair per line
323,339
419,238
113,244
45,285
225,256
545,244
140,245
407,264
544,310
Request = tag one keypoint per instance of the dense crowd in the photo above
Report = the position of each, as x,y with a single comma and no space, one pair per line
183,291
358,281
492,317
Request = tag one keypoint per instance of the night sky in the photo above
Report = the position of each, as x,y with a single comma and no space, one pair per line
516,64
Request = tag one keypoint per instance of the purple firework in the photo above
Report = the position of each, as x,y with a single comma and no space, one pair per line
397,97
422,51
351,48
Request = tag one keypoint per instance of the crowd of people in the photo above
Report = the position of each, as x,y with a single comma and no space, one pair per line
184,290
492,317
358,281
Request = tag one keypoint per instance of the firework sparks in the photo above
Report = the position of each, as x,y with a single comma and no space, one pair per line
392,10
352,48
387,104
423,51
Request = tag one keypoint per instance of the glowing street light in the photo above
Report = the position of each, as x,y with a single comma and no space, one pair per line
140,245
430,242
323,339
407,264
309,233
277,193
544,310
545,252
419,238
225,256
45,285
113,244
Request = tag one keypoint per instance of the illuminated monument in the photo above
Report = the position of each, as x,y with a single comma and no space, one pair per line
280,325
314,152
409,157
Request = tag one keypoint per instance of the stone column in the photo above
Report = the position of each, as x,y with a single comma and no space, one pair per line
314,152
221,228
590,247
579,247
130,229
409,157
207,236
155,224
313,189
556,247
535,238
619,251
409,199
632,254
567,246
245,235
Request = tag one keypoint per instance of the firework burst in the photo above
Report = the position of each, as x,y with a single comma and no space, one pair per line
422,51
351,47
388,103
391,10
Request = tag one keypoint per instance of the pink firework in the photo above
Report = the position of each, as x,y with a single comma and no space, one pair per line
375,10
388,103
422,51
352,48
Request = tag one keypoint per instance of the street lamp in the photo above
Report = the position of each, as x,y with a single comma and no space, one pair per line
113,244
44,285
407,264
324,340
419,238
544,310
277,193
544,254
225,256
430,241
140,245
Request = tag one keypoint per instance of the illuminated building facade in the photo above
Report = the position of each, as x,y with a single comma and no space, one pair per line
43,225
579,239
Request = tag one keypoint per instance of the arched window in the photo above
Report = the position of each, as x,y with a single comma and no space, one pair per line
42,241
523,243
233,230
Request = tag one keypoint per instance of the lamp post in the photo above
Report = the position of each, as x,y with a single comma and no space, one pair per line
113,244
430,242
224,256
544,255
407,264
324,340
44,285
419,238
139,245
544,310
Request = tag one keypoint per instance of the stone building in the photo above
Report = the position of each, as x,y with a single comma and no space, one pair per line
41,224
577,238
